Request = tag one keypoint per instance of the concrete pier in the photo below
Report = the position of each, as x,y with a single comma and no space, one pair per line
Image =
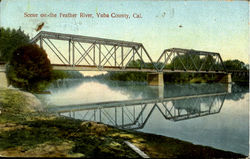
3,78
229,88
157,91
161,91
155,79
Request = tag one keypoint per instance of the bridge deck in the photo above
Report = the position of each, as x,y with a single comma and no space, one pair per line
113,68
121,69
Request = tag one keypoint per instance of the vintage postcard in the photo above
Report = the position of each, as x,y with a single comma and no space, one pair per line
124,78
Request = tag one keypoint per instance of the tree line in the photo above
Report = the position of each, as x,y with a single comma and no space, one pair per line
183,62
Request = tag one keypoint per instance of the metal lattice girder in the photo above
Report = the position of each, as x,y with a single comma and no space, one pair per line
134,114
194,61
91,53
85,39
239,73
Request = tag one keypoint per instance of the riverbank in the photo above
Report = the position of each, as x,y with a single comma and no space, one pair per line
170,78
27,131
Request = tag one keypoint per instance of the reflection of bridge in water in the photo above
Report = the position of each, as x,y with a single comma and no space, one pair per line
134,114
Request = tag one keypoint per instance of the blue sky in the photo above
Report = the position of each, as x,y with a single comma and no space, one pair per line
218,26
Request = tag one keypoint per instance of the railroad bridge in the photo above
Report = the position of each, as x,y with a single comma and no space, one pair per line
83,53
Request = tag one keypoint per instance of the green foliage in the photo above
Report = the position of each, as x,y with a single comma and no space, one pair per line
140,64
235,65
136,63
127,76
206,62
191,77
193,61
177,63
29,68
10,40
58,74
130,76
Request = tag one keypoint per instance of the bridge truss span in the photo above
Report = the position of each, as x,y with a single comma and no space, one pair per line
67,51
185,60
83,53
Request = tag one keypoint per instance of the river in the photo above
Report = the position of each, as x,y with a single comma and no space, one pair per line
215,115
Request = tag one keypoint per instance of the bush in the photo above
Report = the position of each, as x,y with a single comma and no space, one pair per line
29,68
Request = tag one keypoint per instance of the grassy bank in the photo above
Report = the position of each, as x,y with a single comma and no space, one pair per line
26,131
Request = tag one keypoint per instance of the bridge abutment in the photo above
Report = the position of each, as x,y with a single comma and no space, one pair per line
155,79
3,77
227,78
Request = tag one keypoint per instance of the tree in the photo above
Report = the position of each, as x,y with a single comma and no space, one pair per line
235,65
29,68
10,40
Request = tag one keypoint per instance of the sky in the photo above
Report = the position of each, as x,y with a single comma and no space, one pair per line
216,26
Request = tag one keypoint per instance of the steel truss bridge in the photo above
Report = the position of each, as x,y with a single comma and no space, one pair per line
83,53
134,114
244,73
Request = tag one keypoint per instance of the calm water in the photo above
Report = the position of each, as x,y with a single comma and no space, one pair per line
215,115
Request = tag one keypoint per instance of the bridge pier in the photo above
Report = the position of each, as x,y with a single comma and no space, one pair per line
155,79
229,88
161,91
157,91
226,78
3,78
